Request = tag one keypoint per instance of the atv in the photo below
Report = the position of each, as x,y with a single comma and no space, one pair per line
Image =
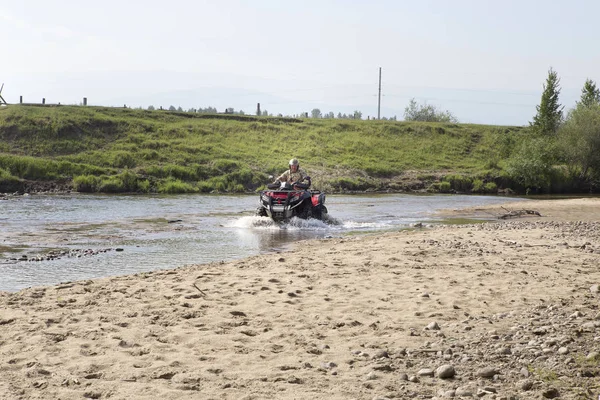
283,200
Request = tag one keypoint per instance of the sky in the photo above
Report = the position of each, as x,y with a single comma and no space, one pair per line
484,61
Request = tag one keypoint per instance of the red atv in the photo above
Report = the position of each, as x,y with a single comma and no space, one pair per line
283,201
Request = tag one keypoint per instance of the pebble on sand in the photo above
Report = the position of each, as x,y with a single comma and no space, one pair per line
446,371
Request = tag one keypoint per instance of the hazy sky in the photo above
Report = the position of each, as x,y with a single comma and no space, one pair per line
485,61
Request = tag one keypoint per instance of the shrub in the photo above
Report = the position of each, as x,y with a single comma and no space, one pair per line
490,187
444,187
427,113
175,186
143,185
478,186
205,187
220,185
8,182
111,184
459,183
531,166
85,183
127,181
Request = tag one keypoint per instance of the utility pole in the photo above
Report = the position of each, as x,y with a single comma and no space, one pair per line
379,97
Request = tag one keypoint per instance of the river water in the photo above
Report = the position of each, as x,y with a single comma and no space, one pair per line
107,235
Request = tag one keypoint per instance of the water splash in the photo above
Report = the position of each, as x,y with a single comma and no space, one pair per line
255,222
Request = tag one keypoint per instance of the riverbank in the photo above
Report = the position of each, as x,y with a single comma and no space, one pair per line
494,310
117,150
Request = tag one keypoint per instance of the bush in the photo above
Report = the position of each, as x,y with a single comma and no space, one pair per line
126,182
531,166
444,187
427,113
175,186
8,182
490,187
111,184
478,186
129,181
143,186
85,183
205,187
459,183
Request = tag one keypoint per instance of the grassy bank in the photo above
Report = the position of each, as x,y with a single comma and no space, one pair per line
100,149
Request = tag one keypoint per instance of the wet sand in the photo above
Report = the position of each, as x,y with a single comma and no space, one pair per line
501,309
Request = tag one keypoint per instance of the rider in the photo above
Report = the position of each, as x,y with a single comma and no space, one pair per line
293,174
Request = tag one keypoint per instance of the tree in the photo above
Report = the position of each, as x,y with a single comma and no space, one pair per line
579,140
339,115
426,113
357,115
151,108
172,108
590,94
549,112
316,113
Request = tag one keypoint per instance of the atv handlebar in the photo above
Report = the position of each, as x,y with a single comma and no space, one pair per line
295,185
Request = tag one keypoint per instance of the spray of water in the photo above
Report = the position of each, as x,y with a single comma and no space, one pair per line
330,223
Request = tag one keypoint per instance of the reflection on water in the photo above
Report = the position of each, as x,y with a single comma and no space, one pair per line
157,232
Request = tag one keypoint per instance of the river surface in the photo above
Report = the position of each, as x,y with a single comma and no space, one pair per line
107,235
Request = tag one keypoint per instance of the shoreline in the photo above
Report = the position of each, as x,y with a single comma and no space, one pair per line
506,308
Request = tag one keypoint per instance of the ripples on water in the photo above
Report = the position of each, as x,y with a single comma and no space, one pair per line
208,228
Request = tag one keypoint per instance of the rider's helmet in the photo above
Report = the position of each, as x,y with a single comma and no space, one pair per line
294,161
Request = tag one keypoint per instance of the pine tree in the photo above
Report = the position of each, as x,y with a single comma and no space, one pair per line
549,112
590,94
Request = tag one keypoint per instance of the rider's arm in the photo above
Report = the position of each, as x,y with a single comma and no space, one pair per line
304,175
283,177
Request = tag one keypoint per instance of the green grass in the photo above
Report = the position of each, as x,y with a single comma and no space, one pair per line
172,151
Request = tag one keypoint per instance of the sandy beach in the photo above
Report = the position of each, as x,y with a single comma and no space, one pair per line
499,310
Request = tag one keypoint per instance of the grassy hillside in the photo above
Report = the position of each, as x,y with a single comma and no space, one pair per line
112,150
